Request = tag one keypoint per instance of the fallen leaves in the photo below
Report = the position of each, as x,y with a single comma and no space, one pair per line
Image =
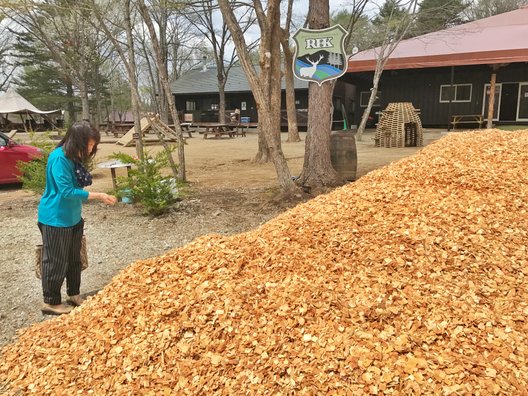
412,280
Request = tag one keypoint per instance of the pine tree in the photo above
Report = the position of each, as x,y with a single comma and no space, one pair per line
434,15
40,81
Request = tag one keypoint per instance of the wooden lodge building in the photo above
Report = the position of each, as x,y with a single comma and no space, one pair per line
196,96
444,74
449,72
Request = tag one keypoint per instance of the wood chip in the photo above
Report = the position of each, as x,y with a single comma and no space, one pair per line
412,280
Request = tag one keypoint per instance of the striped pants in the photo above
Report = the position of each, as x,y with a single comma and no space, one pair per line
61,258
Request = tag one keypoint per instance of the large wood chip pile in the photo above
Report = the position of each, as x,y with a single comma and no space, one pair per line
412,280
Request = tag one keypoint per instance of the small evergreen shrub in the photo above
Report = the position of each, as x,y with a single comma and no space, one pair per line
34,172
146,185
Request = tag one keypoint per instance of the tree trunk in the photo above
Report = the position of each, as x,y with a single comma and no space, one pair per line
132,75
266,87
270,122
372,99
85,104
98,104
71,103
263,153
154,83
291,109
164,80
163,51
221,99
163,105
317,168
129,61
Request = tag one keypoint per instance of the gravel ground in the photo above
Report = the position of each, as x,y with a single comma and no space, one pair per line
117,236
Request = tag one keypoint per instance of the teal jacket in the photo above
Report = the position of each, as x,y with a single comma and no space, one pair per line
61,203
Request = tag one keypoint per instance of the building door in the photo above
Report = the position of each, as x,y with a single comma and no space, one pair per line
522,112
509,99
496,104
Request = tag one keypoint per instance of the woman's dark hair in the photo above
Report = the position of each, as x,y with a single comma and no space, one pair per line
75,143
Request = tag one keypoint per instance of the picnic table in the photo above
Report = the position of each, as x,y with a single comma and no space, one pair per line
185,126
216,129
467,119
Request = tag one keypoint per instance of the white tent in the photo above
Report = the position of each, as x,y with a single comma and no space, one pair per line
11,102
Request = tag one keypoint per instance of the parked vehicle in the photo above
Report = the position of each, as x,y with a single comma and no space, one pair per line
372,120
12,152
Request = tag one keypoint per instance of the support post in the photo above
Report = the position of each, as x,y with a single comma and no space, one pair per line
451,94
491,100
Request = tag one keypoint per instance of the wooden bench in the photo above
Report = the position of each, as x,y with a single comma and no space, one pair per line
239,129
186,128
467,119
218,130
218,133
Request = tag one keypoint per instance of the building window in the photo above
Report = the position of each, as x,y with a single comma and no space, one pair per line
190,105
365,96
457,93
214,106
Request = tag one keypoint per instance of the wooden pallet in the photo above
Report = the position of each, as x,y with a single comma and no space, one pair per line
391,128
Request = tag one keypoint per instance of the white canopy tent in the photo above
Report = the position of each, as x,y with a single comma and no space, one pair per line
11,102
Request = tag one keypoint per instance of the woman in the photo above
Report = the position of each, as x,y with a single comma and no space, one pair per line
59,215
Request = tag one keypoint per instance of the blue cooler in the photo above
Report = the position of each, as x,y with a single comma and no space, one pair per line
245,120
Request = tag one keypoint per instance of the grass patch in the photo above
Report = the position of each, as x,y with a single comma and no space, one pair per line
511,127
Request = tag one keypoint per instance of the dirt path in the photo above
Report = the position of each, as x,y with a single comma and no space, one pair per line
228,194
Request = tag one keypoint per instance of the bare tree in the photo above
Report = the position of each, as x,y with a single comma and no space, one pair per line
266,85
291,109
317,167
179,50
6,68
392,34
64,29
114,29
163,76
479,9
202,16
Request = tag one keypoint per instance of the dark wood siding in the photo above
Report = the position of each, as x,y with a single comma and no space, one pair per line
203,103
421,87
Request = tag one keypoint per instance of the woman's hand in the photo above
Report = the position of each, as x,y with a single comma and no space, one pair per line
105,198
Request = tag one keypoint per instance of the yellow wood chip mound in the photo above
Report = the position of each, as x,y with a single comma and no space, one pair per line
412,280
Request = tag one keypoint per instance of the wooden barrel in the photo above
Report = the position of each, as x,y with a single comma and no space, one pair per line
343,153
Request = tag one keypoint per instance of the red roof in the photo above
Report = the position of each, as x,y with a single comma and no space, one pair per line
501,38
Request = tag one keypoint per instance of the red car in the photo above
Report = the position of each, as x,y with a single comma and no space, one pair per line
10,153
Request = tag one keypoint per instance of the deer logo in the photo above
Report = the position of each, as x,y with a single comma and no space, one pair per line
324,50
310,71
